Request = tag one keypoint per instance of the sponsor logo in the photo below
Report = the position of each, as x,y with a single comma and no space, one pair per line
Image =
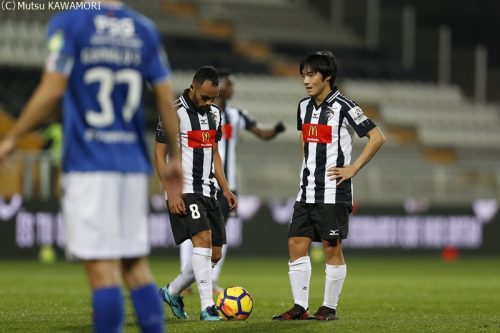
205,137
201,138
313,131
317,133
357,115
333,233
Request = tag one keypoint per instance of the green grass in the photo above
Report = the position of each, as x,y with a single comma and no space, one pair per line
381,294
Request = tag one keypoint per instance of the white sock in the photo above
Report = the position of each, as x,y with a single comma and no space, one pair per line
217,268
185,252
202,266
300,276
335,276
183,280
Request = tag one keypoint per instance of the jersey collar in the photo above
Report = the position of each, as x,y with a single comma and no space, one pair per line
328,99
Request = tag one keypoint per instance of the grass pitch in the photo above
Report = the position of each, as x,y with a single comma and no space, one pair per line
381,294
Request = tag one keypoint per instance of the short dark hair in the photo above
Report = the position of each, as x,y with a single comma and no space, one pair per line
206,73
323,62
224,72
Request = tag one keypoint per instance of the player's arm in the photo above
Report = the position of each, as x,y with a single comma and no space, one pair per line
176,203
41,104
375,140
221,179
171,172
268,134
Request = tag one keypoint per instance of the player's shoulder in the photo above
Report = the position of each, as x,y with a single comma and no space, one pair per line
68,18
180,105
141,19
236,111
215,109
345,102
304,101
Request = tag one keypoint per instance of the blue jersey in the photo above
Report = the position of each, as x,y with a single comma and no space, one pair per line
108,55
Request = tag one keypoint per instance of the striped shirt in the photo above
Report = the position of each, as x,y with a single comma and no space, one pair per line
327,132
199,132
233,119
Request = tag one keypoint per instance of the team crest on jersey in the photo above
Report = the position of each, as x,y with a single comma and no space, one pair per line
329,113
213,115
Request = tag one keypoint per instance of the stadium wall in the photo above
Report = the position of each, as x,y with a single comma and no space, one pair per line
261,228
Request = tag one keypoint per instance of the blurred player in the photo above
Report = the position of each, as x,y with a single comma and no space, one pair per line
327,120
197,217
99,61
233,120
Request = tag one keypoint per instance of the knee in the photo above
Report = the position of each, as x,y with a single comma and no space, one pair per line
298,247
294,243
202,239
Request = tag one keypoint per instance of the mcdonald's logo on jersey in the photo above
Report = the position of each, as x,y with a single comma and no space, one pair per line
205,137
317,133
312,132
201,138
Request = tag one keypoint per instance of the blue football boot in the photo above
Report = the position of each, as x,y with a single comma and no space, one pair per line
210,313
176,303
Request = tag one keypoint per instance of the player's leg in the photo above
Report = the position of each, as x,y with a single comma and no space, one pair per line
300,236
185,253
183,226
135,247
202,266
143,291
216,270
107,300
335,228
91,214
216,289
217,239
186,276
186,256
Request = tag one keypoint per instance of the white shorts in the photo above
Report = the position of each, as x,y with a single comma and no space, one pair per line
105,214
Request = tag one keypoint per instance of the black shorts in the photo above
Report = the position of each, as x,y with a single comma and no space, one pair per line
203,213
224,205
320,221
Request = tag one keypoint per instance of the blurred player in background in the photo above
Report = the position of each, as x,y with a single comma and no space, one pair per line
99,61
327,121
233,120
197,217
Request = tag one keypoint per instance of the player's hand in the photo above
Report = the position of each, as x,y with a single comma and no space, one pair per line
231,199
7,146
279,127
173,179
176,205
341,174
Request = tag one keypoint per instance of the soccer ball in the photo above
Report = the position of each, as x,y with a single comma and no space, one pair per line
234,303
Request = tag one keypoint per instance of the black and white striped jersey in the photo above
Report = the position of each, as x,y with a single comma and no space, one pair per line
327,132
233,120
199,132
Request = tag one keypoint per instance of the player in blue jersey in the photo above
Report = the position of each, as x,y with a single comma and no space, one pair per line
99,63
